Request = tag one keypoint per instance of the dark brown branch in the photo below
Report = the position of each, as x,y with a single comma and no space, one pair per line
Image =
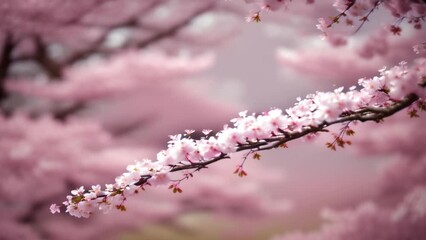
5,58
366,114
5,62
365,18
336,18
124,130
174,29
52,69
64,113
145,43
363,115
342,14
162,34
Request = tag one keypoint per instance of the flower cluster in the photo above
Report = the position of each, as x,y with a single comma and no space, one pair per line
378,97
413,12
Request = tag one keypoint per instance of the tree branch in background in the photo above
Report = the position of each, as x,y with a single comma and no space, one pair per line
158,36
51,68
174,29
5,62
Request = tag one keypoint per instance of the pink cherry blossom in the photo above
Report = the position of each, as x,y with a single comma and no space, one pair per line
54,209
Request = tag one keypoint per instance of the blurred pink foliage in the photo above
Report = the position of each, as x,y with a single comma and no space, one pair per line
42,158
76,81
89,86
59,156
370,221
126,72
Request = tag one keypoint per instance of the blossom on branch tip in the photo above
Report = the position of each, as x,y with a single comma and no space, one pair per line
54,209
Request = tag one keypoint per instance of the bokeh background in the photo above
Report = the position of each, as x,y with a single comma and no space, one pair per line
89,86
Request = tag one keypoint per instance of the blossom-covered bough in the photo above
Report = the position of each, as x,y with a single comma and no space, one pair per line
412,11
352,13
395,89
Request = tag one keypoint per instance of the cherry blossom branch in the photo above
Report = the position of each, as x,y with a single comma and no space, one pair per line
365,18
349,5
380,97
407,10
363,115
412,11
